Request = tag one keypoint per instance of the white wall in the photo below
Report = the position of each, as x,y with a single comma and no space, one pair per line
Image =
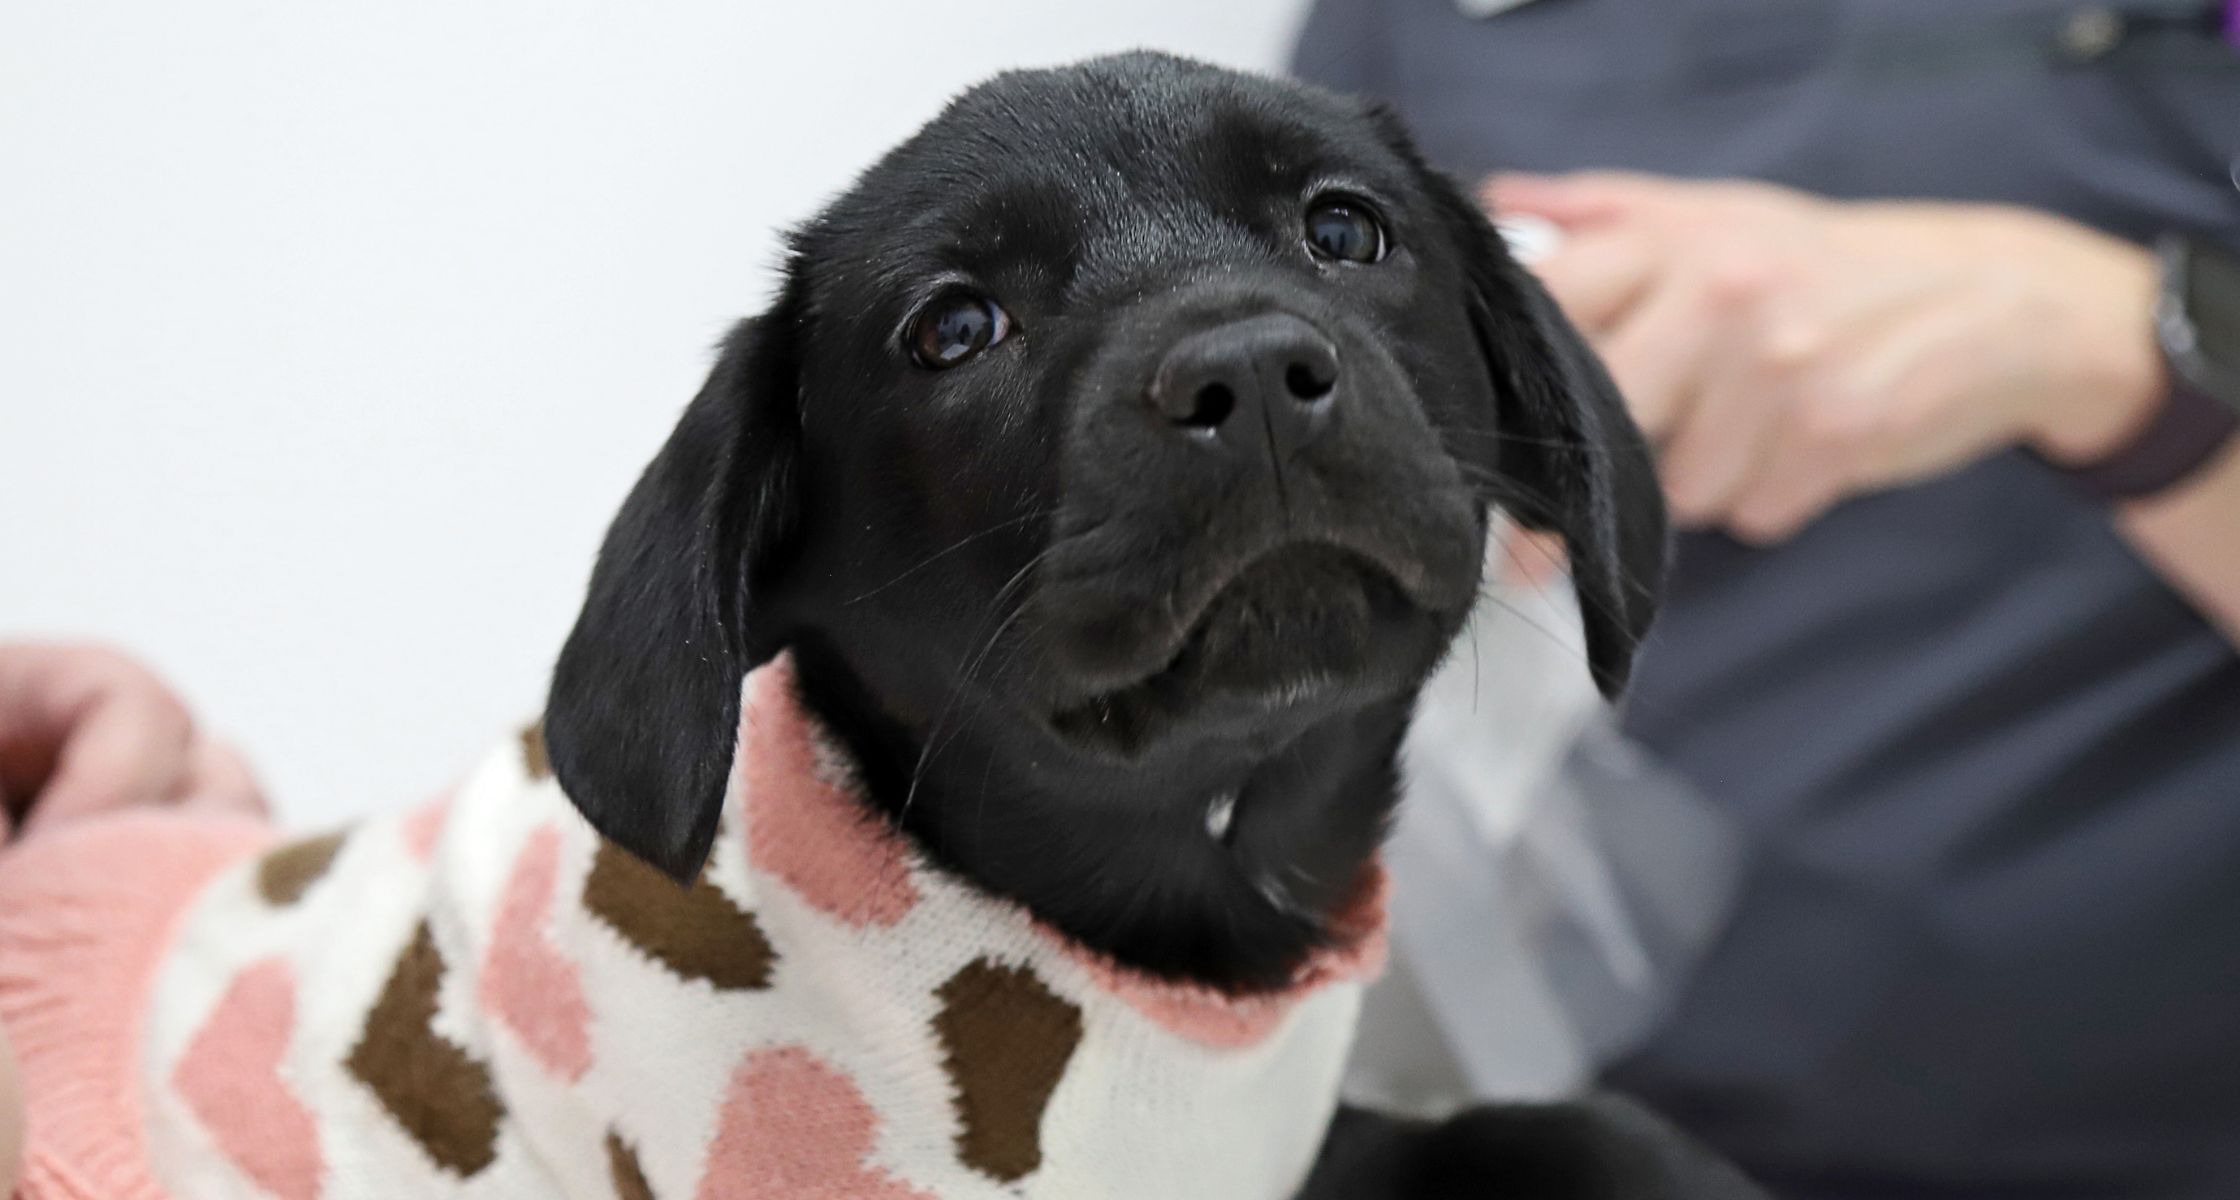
331,334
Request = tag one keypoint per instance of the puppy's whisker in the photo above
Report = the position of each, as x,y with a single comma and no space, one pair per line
1477,665
966,677
1501,488
1569,649
933,738
1586,596
1521,439
952,548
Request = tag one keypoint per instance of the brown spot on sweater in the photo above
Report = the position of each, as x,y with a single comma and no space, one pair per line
622,1163
696,932
534,758
287,873
1006,1039
441,1097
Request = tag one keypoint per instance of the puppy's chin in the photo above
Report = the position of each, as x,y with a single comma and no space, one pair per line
1297,636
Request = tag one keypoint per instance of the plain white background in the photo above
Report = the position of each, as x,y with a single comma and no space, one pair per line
332,334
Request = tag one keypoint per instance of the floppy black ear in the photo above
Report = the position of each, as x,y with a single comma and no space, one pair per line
1571,459
644,710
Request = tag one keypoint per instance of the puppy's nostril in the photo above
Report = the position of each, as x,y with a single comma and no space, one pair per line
1210,407
1306,382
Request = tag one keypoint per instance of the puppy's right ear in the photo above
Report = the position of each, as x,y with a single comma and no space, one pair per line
643,715
1571,460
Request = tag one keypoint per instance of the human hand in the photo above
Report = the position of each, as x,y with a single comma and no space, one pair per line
1786,351
84,730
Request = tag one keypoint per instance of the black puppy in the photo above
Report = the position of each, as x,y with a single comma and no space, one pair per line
1116,463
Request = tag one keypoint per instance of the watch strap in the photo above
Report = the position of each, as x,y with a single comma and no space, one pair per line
2186,433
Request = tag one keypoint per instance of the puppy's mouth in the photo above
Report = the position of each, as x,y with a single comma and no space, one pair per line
1304,628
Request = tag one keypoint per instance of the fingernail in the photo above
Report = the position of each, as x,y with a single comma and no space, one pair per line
1531,239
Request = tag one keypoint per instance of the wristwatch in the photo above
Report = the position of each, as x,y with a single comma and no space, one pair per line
2197,319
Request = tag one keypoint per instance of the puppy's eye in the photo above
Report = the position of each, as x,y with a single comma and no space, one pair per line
1344,230
955,327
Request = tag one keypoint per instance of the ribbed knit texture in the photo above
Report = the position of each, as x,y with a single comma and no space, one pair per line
85,917
485,1000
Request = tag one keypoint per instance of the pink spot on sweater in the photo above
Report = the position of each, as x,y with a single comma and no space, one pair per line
424,826
795,1128
527,985
230,1079
803,826
1226,1021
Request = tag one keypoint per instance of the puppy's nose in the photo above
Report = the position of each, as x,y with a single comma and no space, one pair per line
1274,368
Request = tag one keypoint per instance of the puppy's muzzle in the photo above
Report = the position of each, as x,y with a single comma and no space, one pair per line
1258,515
1272,376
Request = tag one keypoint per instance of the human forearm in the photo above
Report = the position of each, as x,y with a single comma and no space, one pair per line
2190,533
2191,536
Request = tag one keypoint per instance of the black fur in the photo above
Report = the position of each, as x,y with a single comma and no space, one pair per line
1054,626
1601,1148
645,695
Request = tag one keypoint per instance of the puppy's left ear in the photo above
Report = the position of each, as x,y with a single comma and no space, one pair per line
1571,460
643,715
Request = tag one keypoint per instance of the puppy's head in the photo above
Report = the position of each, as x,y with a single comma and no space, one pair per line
1134,413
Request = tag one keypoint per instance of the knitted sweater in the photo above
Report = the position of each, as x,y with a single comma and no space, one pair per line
483,999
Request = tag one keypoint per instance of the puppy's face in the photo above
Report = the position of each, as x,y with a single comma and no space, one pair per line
1130,415
1142,405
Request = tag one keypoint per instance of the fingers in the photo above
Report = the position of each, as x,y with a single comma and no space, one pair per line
1746,403
1808,480
1660,351
1730,439
1637,280
85,730
1776,437
123,740
218,779
1599,277
1532,558
11,1119
1759,340
1577,199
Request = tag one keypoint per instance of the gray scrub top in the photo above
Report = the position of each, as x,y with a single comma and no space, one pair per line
1987,942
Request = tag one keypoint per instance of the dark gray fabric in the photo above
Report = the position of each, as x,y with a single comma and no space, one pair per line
1988,939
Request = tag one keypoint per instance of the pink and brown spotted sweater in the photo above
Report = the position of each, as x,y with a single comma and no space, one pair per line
482,999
